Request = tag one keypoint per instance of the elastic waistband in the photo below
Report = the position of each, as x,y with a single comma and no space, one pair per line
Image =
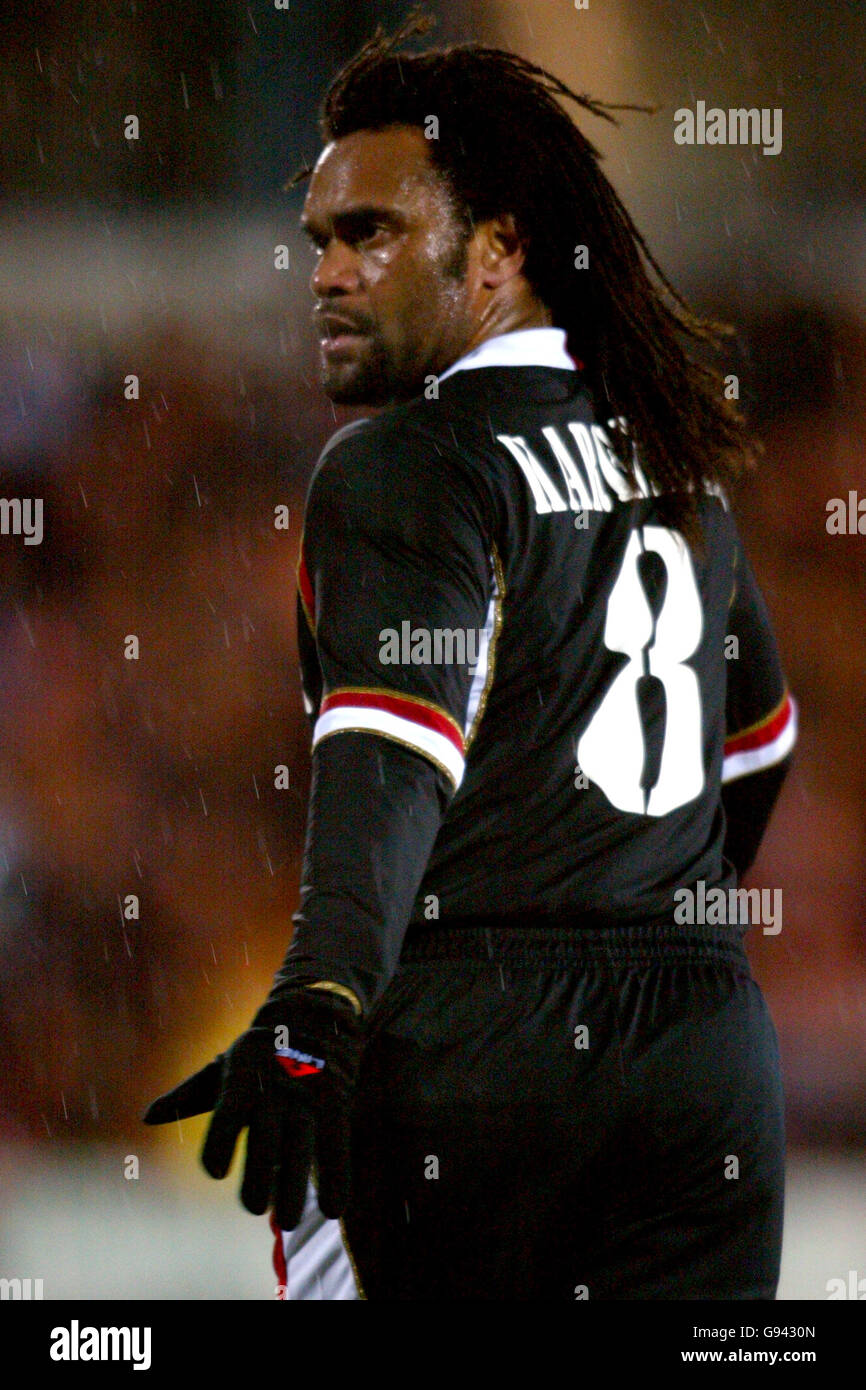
549,942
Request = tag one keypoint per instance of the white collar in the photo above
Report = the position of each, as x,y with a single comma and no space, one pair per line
530,347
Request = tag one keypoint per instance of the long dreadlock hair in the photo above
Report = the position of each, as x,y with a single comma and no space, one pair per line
506,145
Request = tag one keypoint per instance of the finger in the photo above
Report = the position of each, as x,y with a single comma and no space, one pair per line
263,1152
195,1096
229,1118
333,1160
296,1156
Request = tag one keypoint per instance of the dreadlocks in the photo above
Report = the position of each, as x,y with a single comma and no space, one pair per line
506,145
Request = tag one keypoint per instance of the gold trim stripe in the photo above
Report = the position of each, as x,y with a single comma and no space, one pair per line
498,618
342,990
380,733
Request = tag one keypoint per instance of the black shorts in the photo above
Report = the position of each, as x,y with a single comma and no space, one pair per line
565,1114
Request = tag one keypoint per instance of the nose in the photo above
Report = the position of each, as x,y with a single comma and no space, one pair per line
336,270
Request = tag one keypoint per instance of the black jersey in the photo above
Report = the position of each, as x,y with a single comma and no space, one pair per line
522,685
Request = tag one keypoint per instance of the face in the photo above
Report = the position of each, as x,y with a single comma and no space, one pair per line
394,304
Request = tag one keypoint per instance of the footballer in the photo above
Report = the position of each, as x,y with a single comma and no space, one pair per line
494,1065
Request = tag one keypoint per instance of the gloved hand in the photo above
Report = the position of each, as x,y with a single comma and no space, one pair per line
290,1078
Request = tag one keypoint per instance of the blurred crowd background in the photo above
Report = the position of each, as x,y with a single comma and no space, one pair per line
155,777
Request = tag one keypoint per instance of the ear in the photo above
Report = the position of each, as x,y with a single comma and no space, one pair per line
502,250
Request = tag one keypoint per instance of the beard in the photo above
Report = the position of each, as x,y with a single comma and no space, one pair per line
366,375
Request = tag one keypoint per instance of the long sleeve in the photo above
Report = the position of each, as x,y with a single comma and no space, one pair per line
394,574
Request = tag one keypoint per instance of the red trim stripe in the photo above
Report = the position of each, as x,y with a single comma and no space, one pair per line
761,734
304,585
403,706
296,1068
280,1267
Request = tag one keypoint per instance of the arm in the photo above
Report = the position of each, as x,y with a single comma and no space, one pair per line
761,722
375,810
395,544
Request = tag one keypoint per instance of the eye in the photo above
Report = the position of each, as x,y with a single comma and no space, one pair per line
370,231
359,232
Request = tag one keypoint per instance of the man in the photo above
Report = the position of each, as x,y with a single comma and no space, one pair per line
516,1069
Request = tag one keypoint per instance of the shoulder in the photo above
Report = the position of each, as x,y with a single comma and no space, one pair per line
337,438
408,450
404,471
395,430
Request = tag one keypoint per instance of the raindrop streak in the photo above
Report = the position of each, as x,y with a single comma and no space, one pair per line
22,618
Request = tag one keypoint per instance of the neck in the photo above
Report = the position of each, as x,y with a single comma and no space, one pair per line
526,312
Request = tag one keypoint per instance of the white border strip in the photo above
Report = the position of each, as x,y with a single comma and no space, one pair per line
317,1263
753,759
479,678
526,347
435,746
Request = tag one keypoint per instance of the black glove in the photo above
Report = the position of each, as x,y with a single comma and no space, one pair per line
290,1078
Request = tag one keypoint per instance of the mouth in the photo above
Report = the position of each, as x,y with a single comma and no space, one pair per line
332,344
337,335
